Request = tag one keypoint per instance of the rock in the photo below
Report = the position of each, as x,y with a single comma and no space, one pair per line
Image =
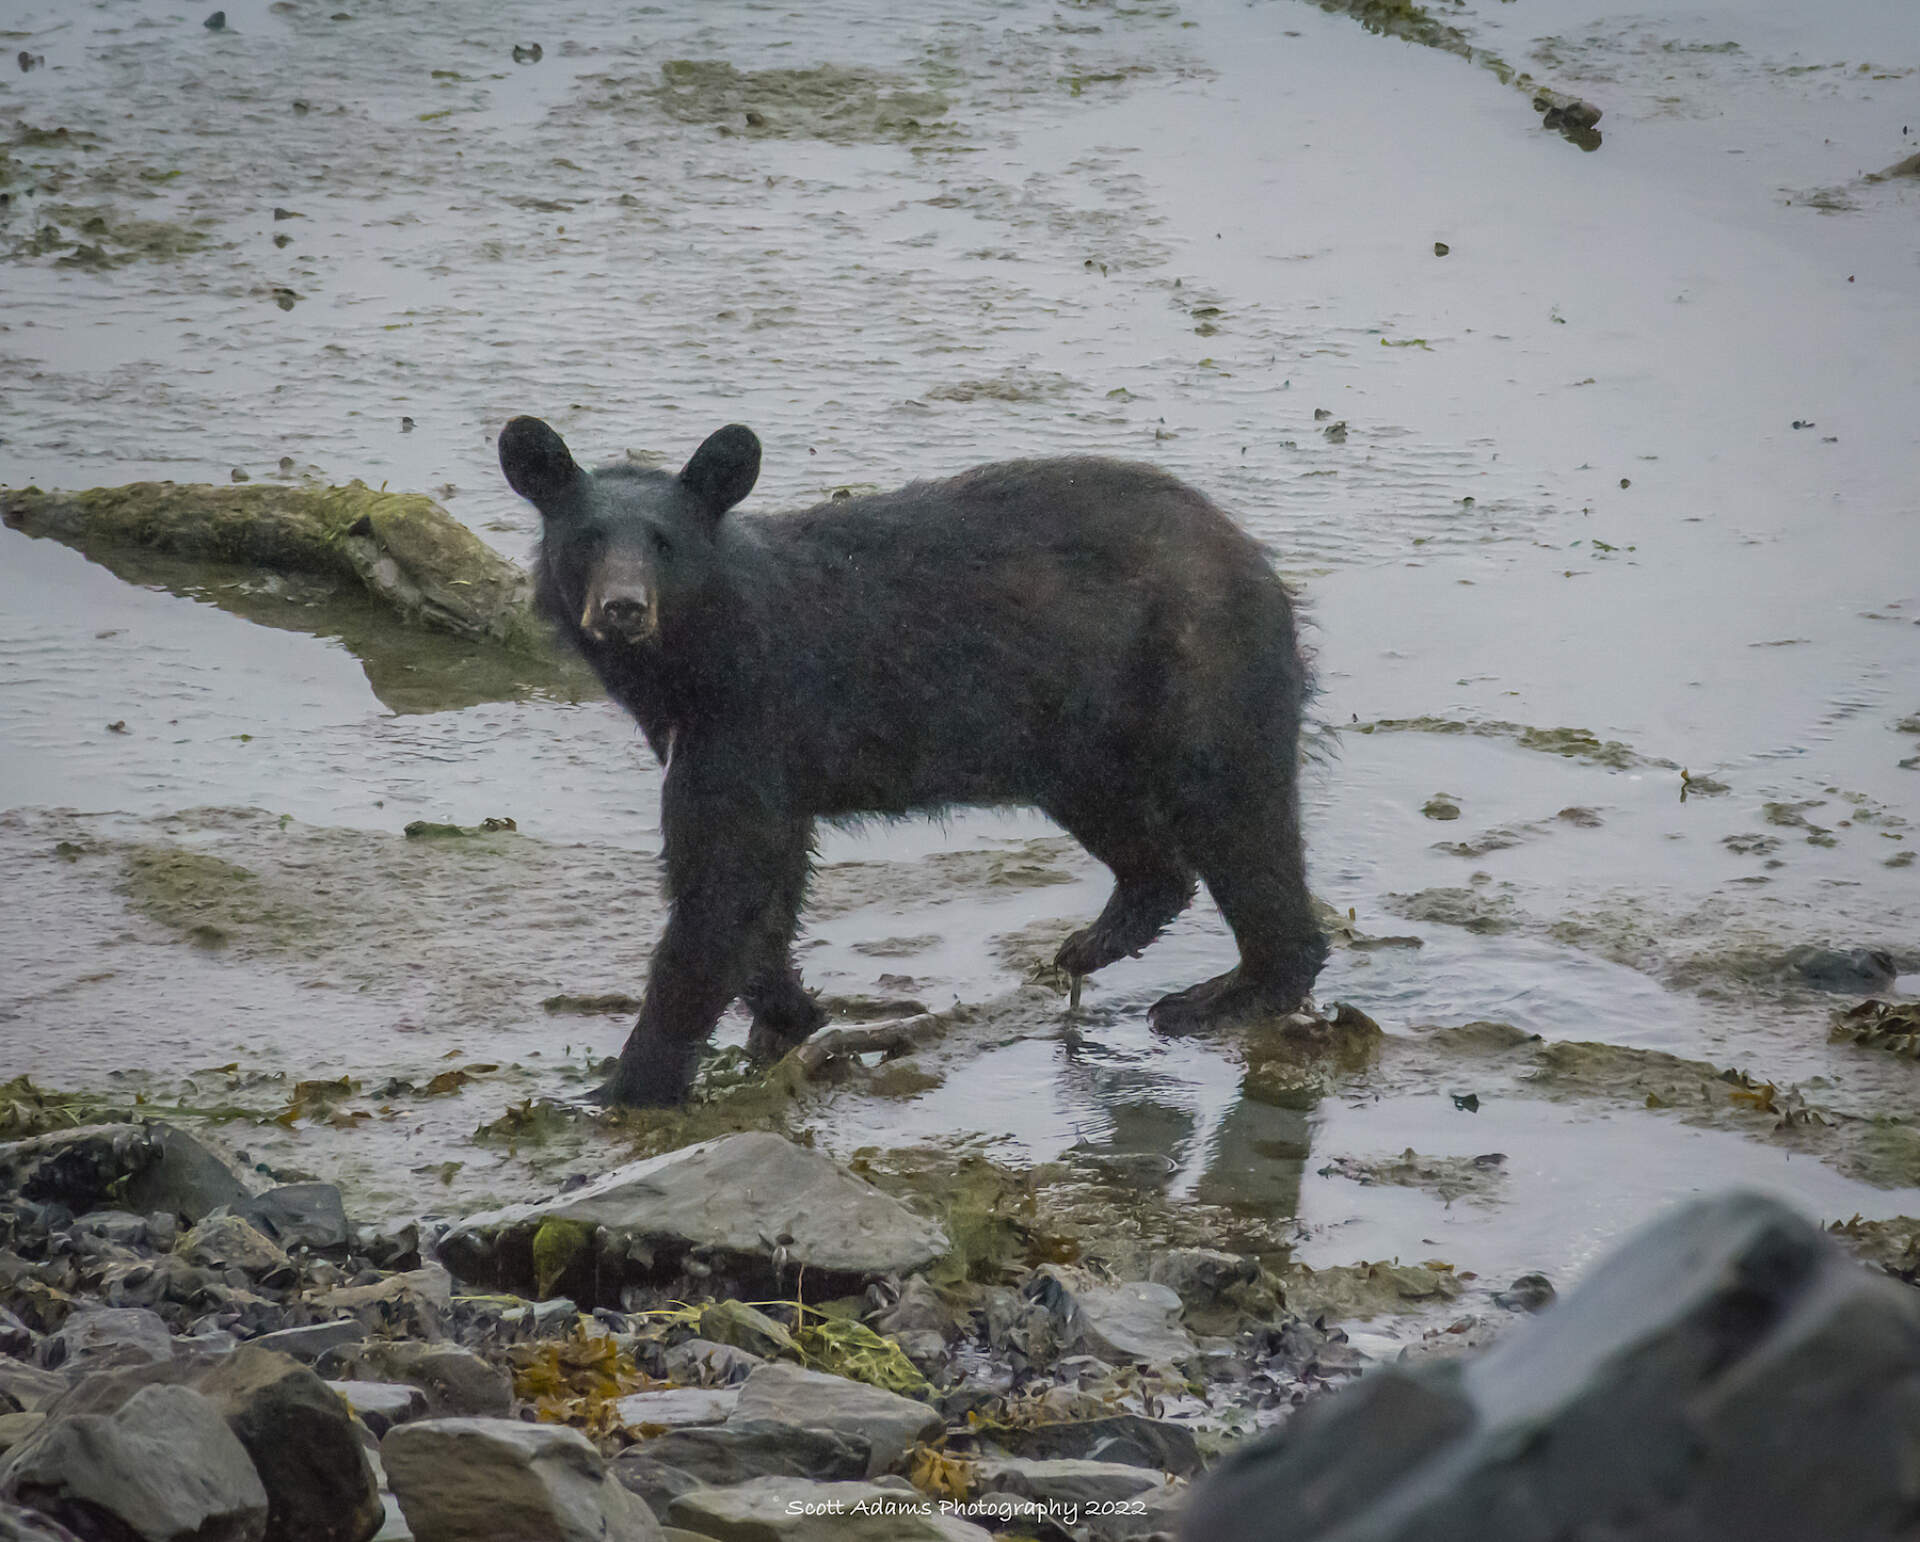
1529,1293
796,1510
750,1199
1728,1372
16,1338
456,1381
1856,971
1153,1514
412,1303
403,549
920,1309
1129,1438
744,1327
299,1215
1134,1323
1198,1276
678,1407
486,1480
889,1423
95,1335
18,1524
319,1485
752,1449
655,1483
16,1427
228,1242
29,1389
1065,1480
138,1167
711,1364
381,1404
164,1468
186,1179
314,1340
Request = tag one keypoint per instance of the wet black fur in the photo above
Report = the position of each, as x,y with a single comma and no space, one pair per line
1089,637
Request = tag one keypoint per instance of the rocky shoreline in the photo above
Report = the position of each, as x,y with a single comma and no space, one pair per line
735,1339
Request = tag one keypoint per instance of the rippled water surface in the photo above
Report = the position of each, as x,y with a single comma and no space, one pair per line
1636,456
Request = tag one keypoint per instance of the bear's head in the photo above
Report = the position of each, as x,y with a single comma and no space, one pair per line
626,551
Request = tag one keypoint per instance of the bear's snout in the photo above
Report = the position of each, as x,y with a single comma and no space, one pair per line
618,608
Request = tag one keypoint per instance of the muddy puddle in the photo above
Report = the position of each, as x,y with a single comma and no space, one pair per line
1595,463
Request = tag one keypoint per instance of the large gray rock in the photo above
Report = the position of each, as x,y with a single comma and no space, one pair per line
128,1166
751,1196
889,1423
1729,1373
320,1486
165,1468
488,1480
796,1510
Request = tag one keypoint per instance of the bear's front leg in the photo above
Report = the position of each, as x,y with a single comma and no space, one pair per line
735,883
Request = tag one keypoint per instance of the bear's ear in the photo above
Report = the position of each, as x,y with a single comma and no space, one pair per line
537,463
723,470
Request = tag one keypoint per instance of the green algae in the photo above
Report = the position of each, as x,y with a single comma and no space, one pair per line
1574,743
438,620
826,101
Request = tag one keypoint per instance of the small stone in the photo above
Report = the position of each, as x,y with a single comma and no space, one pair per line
678,1406
891,1424
1440,806
105,1334
227,1242
1440,248
708,1364
1137,1322
313,1340
382,1404
734,1453
217,22
456,1381
299,1215
1066,1480
1529,1293
1198,1276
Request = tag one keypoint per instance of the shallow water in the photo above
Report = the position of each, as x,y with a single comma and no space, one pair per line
1569,495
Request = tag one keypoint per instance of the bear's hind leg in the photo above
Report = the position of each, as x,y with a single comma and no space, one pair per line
1151,884
1248,851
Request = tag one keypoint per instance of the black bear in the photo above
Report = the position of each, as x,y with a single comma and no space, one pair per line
1089,637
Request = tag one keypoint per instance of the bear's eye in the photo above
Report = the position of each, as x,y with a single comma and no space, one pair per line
661,544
